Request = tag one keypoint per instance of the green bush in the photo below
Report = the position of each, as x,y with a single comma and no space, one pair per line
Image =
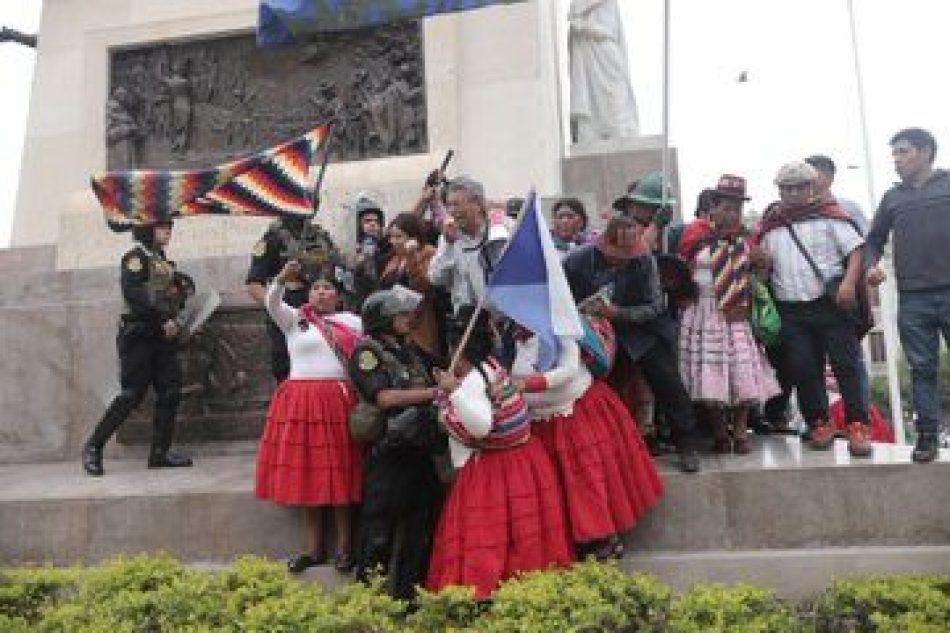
739,608
589,596
158,594
885,604
24,592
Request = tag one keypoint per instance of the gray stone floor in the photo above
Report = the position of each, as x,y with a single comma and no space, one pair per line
786,452
235,473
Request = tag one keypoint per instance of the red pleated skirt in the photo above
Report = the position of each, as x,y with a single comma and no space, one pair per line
504,514
306,454
607,474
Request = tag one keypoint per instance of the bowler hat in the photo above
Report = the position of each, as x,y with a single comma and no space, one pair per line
730,186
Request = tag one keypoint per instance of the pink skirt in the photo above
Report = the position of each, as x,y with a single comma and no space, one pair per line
306,454
721,362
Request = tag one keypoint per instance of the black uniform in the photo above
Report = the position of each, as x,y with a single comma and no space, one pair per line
285,239
401,490
154,292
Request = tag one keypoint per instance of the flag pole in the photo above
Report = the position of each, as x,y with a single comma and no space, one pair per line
457,355
665,156
888,308
318,185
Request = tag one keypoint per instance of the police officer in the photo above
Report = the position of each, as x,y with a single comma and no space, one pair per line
297,238
401,490
371,248
154,293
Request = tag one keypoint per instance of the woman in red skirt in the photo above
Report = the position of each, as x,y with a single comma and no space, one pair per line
504,513
307,457
608,476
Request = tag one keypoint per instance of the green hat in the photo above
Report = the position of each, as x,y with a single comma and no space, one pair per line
647,190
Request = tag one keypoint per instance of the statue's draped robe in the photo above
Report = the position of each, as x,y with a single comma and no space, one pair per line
602,103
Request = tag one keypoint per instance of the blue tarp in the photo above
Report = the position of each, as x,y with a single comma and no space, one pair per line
288,21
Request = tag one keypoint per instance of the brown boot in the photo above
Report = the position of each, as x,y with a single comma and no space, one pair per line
740,432
717,423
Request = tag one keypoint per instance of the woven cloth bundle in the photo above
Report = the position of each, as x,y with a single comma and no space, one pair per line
277,181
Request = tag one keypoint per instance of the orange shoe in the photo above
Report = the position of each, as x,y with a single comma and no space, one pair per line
822,436
859,440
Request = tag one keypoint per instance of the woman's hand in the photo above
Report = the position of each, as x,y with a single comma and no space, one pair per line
447,382
847,298
290,271
760,258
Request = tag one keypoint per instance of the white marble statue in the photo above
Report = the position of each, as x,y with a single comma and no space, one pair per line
602,103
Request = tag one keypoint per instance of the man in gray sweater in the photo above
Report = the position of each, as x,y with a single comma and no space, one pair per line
917,210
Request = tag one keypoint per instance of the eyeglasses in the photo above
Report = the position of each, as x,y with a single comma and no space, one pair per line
798,186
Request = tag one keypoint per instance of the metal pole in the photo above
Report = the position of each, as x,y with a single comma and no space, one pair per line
665,157
887,294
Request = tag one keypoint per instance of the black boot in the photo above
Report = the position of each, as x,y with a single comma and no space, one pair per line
689,460
168,459
92,460
161,455
926,448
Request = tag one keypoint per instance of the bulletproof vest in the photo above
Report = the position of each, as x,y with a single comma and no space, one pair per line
163,292
312,247
402,375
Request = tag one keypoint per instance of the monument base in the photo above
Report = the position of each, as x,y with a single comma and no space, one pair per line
782,515
605,170
59,364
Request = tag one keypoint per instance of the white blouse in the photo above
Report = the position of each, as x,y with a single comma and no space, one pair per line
567,382
310,354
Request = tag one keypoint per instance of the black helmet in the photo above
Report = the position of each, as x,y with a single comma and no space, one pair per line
381,306
145,232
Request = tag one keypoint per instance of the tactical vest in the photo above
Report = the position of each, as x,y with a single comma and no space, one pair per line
163,293
401,376
312,248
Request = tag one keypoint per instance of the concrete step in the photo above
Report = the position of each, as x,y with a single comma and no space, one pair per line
771,515
793,573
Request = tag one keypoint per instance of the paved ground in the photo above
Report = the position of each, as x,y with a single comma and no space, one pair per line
235,473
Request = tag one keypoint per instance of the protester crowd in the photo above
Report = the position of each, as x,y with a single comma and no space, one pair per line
410,407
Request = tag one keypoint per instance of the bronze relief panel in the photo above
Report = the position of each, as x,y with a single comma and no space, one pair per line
202,102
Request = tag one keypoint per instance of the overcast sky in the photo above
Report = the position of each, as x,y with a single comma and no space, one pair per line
800,98
801,95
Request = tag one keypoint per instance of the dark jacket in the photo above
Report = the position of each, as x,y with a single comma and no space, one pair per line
643,319
920,220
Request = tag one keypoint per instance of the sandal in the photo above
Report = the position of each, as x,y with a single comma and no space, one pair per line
299,563
344,563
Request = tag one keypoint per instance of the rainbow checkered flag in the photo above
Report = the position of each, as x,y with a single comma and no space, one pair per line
275,182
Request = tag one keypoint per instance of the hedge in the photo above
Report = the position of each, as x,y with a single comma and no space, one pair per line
158,594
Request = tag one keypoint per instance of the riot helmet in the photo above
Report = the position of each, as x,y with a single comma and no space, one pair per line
381,306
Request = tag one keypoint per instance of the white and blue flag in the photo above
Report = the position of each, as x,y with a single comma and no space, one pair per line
529,286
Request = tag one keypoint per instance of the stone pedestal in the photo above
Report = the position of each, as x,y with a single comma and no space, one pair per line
605,170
